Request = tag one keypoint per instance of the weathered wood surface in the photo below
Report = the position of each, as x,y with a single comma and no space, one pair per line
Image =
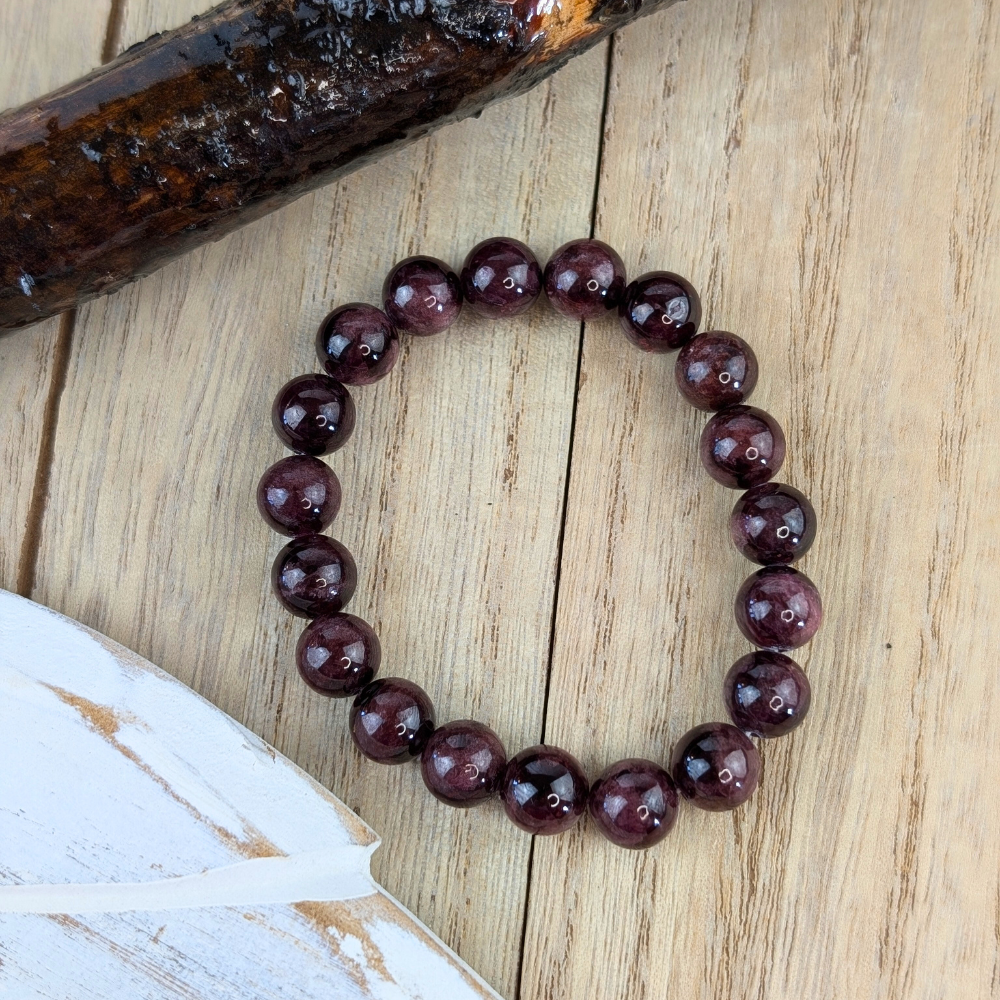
153,847
827,174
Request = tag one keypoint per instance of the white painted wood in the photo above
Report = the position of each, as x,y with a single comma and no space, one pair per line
194,859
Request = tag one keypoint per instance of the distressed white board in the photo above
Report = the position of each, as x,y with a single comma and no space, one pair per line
152,847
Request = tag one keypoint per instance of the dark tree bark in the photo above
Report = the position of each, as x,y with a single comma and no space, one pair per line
198,131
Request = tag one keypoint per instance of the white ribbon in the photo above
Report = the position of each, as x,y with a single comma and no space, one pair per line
337,873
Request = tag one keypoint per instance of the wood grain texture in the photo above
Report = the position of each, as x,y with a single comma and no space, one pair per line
827,175
29,35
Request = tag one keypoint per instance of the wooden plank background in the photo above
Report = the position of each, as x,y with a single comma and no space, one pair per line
538,545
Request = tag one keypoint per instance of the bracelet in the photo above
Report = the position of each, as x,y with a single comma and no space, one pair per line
544,789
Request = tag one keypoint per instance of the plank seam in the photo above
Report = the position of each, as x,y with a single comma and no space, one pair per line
565,502
113,35
28,556
27,561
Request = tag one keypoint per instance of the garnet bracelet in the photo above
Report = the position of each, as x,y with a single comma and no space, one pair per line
544,789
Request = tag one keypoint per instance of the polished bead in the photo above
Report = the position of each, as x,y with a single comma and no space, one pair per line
422,295
584,279
313,414
544,790
742,446
338,655
767,694
716,370
501,278
660,311
300,495
463,763
634,803
778,608
773,524
357,344
314,575
715,766
391,720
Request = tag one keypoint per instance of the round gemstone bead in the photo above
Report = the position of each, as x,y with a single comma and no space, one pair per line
338,655
313,414
422,295
500,278
778,608
391,720
463,763
357,344
767,694
314,575
715,766
742,446
300,495
716,370
660,311
773,524
544,790
584,279
634,803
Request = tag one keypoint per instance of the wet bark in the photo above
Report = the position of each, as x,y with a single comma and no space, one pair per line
198,131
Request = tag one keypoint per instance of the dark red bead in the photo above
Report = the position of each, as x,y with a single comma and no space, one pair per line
634,803
660,311
357,344
742,446
313,414
778,608
715,766
773,524
463,763
501,277
767,694
338,655
299,495
584,279
716,370
544,790
422,295
314,575
392,720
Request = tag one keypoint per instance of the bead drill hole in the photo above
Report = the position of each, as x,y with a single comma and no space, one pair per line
321,420
365,350
753,454
784,531
787,616
508,283
725,378
553,800
472,771
643,813
401,729
592,285
776,703
725,776
306,503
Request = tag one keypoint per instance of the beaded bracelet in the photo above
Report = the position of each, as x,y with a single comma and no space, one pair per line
544,788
